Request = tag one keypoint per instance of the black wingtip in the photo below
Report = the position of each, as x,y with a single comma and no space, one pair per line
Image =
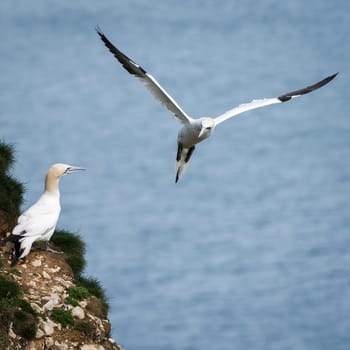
334,75
303,91
131,66
98,30
100,33
327,80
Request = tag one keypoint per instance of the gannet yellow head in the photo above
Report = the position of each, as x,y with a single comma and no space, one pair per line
56,172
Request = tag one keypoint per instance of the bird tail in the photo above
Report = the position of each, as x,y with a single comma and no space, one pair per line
182,159
22,246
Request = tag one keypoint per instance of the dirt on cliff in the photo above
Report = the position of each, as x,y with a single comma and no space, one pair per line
64,320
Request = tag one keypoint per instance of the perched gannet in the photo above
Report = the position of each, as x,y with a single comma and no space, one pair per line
196,130
39,221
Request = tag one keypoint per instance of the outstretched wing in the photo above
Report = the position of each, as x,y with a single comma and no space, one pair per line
150,82
269,101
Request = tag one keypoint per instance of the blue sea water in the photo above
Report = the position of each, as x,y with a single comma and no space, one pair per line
250,250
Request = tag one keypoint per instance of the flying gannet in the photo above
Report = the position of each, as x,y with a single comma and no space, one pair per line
193,130
38,222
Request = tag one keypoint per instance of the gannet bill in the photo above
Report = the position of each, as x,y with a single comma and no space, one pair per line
193,130
38,223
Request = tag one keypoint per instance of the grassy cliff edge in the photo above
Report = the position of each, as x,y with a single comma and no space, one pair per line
46,302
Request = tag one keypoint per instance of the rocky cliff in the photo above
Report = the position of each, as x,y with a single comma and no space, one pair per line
45,301
61,315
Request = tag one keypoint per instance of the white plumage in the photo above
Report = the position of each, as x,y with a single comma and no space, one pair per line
196,130
38,223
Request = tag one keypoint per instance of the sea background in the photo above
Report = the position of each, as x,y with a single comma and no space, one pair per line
250,250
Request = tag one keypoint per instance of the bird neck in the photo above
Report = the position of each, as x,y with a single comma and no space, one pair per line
51,183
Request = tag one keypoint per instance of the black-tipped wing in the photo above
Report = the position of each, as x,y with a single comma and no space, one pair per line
151,83
269,101
289,95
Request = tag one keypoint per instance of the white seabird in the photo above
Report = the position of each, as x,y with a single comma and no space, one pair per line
196,130
38,223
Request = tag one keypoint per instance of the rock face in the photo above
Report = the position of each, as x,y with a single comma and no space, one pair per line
41,306
46,279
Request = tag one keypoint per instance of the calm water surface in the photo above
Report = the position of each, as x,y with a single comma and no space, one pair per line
250,250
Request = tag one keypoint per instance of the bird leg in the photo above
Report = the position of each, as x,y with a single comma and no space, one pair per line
189,154
36,246
51,250
179,151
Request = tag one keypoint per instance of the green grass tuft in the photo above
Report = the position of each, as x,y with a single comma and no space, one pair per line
24,324
6,156
71,301
9,290
94,287
25,306
74,248
4,341
62,316
76,294
11,193
11,197
77,263
84,326
15,272
20,315
16,310
28,331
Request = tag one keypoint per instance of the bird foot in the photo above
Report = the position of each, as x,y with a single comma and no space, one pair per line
48,249
37,246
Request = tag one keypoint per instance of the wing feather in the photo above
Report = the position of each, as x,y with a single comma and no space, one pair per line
269,101
150,82
37,219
